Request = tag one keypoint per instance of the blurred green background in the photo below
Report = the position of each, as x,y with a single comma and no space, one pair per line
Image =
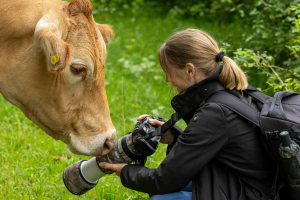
261,36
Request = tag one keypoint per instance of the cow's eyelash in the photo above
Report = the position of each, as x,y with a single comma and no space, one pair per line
78,69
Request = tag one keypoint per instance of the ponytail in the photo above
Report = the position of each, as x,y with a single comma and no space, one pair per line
232,77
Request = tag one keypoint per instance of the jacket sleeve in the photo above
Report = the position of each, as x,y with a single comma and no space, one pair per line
202,139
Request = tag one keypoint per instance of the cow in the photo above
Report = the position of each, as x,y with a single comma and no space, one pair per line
52,56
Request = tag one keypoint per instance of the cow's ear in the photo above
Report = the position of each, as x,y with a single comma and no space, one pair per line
58,53
106,31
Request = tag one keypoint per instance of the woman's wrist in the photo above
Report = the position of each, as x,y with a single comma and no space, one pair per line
170,142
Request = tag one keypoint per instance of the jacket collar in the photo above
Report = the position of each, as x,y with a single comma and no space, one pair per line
182,98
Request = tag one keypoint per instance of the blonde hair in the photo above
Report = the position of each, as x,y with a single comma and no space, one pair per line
197,47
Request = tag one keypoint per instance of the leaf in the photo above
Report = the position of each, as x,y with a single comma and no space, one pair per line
161,107
155,112
156,77
288,80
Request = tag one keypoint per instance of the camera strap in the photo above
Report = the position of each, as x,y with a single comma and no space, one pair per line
209,87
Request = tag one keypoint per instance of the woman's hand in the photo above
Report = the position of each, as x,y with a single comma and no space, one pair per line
166,138
115,167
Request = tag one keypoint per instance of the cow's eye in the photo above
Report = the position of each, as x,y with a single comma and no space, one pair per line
79,70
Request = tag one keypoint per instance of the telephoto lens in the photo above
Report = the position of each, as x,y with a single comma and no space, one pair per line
133,147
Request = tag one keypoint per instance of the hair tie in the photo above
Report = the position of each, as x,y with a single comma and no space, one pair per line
220,56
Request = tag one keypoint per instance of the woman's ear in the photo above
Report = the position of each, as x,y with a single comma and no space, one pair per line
48,36
106,31
190,70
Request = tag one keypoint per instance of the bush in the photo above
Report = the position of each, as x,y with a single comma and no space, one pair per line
280,69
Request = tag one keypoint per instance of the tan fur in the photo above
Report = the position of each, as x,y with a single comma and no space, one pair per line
61,103
81,6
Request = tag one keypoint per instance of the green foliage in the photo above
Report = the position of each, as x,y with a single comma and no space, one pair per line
228,9
104,7
271,49
271,22
247,58
295,49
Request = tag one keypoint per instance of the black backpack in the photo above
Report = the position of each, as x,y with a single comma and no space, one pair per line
278,114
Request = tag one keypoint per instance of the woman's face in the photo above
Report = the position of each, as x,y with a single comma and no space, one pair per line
177,78
183,78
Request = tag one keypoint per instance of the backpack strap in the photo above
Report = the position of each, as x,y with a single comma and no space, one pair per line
255,93
235,104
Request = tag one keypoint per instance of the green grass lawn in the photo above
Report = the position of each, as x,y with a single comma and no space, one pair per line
32,163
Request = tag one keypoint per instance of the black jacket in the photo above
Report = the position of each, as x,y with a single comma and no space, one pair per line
215,140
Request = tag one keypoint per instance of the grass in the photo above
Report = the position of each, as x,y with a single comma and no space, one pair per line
32,163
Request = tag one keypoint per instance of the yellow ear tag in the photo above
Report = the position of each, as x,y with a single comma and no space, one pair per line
53,60
56,57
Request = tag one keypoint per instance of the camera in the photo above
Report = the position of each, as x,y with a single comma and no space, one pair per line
135,146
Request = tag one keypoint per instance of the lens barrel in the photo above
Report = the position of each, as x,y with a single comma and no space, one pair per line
74,180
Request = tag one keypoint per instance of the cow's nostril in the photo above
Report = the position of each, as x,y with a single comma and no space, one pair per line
108,146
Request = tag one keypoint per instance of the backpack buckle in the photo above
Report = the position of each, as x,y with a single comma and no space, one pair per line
271,135
266,134
276,134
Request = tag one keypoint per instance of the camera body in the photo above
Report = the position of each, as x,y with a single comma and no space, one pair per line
133,147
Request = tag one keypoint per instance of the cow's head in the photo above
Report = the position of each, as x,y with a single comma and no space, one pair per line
69,100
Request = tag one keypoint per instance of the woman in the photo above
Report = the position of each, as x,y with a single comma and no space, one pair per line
217,144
